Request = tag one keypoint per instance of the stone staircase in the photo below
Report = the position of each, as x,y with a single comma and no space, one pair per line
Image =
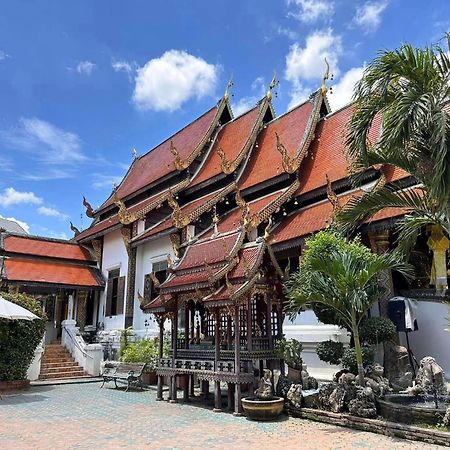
57,363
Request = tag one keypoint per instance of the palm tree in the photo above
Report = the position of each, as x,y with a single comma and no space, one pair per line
409,90
343,276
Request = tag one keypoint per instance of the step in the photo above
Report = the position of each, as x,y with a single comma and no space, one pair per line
57,359
49,365
60,369
73,374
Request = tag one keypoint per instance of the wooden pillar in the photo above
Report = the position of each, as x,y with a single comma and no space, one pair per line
249,325
186,388
170,388
269,321
174,352
159,392
237,361
217,392
191,386
229,333
186,325
230,390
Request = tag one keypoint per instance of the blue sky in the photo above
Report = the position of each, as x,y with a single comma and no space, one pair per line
84,82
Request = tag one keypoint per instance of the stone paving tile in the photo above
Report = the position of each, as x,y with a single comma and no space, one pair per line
87,417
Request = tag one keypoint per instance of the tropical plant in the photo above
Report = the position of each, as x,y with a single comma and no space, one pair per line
19,338
349,359
125,336
291,351
343,278
408,89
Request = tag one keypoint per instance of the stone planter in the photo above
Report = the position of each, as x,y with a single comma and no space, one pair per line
14,385
294,375
263,409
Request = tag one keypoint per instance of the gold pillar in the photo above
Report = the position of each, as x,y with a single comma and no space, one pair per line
438,244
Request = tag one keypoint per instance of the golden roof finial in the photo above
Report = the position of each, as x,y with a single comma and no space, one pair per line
226,96
326,76
272,84
268,229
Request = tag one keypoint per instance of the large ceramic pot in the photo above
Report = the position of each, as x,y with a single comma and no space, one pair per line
294,375
263,409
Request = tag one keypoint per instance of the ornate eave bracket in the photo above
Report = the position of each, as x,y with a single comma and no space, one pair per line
125,217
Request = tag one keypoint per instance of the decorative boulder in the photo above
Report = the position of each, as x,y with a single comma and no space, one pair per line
431,377
446,420
308,382
283,386
323,397
364,403
400,375
294,395
337,399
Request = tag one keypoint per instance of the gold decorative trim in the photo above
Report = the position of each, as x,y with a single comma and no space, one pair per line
126,238
155,280
175,241
97,246
290,165
125,217
332,197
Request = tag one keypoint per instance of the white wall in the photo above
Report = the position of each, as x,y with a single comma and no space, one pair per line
147,254
307,329
431,339
114,257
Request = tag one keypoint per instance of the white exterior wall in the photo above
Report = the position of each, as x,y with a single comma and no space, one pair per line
114,256
307,329
431,339
148,254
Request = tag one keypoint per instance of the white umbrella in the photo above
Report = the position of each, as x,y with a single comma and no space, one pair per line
9,310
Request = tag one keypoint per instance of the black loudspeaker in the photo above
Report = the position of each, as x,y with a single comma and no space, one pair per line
396,312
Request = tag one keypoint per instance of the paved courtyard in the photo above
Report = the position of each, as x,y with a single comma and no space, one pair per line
83,416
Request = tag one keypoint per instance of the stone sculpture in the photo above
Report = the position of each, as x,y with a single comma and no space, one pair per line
364,403
294,395
265,389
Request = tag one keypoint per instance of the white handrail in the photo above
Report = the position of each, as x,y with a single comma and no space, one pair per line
75,341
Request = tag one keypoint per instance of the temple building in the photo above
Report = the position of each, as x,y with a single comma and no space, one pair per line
204,229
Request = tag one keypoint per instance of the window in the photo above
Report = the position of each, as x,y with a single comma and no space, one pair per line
160,270
115,293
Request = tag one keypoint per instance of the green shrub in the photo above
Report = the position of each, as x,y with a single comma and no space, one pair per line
349,358
145,351
330,352
125,336
376,330
19,338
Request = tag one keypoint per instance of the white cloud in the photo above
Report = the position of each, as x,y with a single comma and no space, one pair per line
3,55
124,66
23,224
165,83
105,181
10,196
368,16
289,33
48,143
85,67
307,63
342,91
52,212
308,11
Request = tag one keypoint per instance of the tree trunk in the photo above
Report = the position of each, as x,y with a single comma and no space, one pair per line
358,352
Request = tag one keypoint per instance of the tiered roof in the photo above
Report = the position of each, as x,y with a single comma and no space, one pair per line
31,260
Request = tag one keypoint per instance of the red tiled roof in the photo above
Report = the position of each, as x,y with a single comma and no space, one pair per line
266,161
35,271
222,294
248,257
231,138
43,247
159,162
157,303
318,216
189,278
211,250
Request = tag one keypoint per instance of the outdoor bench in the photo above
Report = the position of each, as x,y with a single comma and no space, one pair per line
130,373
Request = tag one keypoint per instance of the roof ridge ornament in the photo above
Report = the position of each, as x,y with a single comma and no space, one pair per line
178,162
267,230
326,77
89,209
226,95
272,84
75,230
226,165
